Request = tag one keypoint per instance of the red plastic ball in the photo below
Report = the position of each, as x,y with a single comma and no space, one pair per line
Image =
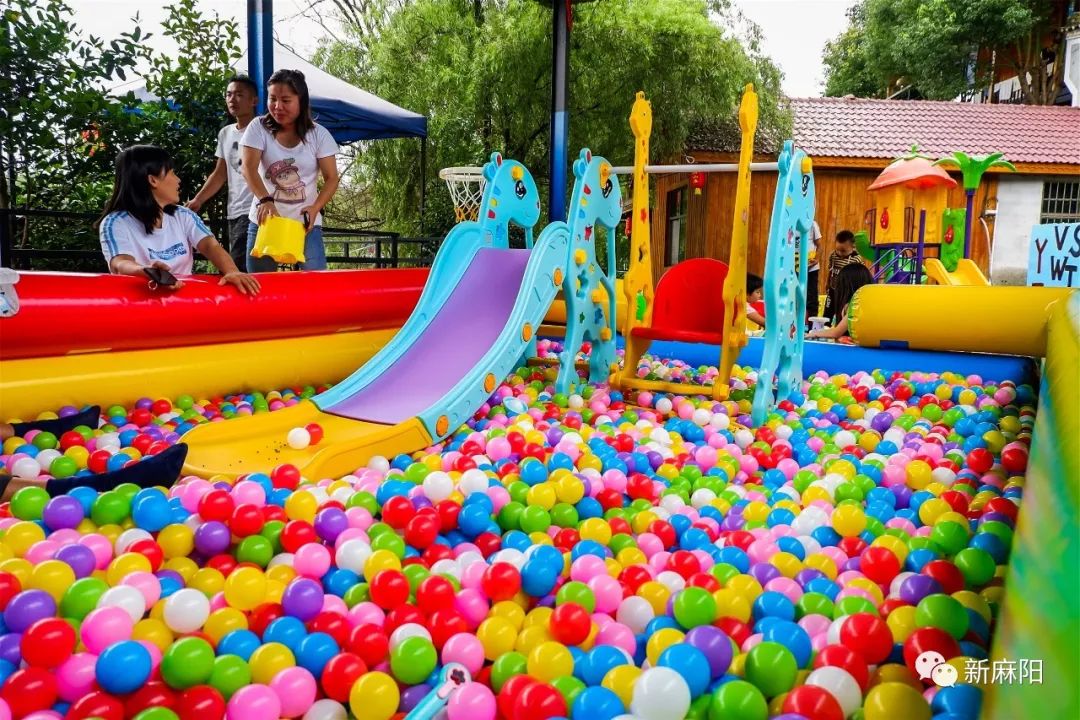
813,703
223,563
880,564
48,643
540,701
444,624
98,705
246,520
422,531
640,487
333,624
30,689
684,563
434,593
402,615
448,514
216,505
153,694
285,476
980,460
738,631
98,461
71,439
570,624
867,635
150,550
389,589
1014,460
315,430
9,588
488,543
664,530
201,702
296,534
262,616
948,575
397,511
929,639
501,581
369,643
340,673
845,658
510,692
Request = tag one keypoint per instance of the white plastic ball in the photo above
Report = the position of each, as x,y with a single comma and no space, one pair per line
660,693
663,405
406,631
437,486
45,457
25,468
352,555
126,597
186,610
326,709
379,463
298,438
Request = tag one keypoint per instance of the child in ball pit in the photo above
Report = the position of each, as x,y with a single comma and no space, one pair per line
145,231
754,294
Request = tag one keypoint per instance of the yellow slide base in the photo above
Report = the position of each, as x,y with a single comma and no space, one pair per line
967,273
258,443
556,315
32,385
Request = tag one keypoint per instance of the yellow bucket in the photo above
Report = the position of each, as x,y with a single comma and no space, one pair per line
282,239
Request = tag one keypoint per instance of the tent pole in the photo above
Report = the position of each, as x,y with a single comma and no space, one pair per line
559,120
423,181
260,46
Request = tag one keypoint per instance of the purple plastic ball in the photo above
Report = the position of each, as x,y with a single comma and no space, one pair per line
80,558
714,644
331,522
10,648
62,512
28,607
303,599
915,587
212,538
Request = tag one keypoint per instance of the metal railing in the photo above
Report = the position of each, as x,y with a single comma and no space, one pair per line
22,234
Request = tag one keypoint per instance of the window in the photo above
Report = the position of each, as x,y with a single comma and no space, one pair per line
675,239
1060,202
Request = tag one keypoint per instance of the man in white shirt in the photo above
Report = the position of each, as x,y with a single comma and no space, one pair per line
241,97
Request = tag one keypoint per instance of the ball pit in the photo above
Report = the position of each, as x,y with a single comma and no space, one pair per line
580,555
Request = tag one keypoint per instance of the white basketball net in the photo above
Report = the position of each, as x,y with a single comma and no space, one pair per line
466,186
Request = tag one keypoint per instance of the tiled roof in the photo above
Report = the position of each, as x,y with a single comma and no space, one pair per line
861,128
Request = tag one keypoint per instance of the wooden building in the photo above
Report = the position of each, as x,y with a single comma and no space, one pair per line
851,141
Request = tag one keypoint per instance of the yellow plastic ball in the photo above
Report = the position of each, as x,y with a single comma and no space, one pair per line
224,621
155,632
731,603
542,495
892,700
301,505
511,611
538,616
745,585
620,680
185,567
822,563
657,594
595,529
381,560
570,490
549,660
848,520
932,509
531,637
125,564
208,581
374,696
176,541
52,576
22,535
245,588
281,573
788,565
660,641
497,635
268,660
901,622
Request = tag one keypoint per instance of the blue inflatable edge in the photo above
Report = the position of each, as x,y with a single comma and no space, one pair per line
834,358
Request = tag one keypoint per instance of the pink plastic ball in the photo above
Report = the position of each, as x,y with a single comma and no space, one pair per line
312,560
254,702
75,677
296,689
474,701
105,626
464,648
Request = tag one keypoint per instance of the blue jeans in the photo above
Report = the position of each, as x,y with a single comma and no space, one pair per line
314,252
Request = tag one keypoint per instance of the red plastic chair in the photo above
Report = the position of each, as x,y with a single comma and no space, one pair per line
689,303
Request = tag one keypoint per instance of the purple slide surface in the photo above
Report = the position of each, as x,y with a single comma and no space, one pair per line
459,335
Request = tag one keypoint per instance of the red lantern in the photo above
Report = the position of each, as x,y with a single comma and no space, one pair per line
697,181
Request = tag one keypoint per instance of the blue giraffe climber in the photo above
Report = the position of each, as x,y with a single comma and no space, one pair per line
510,196
596,200
785,281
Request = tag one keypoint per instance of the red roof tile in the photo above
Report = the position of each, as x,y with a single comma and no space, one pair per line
861,128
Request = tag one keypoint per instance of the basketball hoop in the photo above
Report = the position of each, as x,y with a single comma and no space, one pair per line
466,186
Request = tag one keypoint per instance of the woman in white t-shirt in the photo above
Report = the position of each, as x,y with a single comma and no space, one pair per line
143,227
285,151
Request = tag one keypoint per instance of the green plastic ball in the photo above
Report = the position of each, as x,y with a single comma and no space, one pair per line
188,662
29,502
772,668
694,606
738,700
413,660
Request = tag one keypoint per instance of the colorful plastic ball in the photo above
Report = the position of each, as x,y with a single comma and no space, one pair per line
229,674
48,643
28,690
188,662
105,626
123,668
539,701
660,693
694,606
200,701
413,660
186,610
298,438
340,673
375,696
26,608
867,635
840,684
894,700
715,645
596,703
738,700
691,664
296,690
944,612
303,599
254,702
813,702
474,701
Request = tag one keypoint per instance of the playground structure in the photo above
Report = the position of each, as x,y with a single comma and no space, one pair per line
685,306
911,218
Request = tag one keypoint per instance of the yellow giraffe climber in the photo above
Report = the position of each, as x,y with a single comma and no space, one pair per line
735,285
638,280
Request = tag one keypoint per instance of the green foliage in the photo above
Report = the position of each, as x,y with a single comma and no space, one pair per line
938,48
481,72
65,129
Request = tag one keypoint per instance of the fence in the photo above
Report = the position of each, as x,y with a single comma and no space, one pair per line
23,244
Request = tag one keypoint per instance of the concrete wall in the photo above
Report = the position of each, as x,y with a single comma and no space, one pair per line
1019,206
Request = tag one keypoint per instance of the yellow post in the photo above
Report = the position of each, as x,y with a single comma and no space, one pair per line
638,282
734,336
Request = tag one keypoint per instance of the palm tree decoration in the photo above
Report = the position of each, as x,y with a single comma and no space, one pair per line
972,168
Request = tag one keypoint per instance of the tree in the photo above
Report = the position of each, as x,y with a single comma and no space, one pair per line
483,79
62,128
941,49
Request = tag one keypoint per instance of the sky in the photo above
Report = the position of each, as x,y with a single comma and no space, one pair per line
794,31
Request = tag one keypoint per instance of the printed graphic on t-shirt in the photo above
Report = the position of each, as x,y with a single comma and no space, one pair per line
236,155
173,251
288,187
